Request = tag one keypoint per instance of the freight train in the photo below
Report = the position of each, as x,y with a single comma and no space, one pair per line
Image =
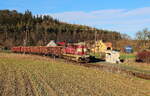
73,52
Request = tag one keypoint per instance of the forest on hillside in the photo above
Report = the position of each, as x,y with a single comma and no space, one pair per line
18,29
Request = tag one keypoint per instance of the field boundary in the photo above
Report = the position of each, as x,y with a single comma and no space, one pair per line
118,70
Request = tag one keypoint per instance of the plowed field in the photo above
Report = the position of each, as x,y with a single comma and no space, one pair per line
30,75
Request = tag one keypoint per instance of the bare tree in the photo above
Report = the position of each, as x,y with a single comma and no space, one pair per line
143,37
125,36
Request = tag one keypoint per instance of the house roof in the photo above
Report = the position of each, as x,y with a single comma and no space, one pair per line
61,43
51,43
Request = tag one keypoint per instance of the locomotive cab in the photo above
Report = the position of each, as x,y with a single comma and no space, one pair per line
76,52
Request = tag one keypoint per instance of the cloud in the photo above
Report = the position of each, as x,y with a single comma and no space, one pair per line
123,20
139,11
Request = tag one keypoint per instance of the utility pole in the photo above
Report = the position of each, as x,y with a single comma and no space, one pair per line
26,36
6,34
95,35
24,41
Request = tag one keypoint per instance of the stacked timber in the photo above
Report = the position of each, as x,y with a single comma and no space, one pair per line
99,47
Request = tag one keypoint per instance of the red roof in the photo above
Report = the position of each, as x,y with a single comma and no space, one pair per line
61,43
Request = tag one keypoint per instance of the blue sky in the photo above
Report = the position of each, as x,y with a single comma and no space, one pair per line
125,16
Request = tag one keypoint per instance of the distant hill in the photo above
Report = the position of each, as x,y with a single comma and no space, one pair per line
26,29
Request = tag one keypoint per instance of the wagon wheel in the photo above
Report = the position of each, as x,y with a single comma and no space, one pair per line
79,60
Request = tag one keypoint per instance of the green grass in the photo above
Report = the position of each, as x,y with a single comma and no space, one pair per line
98,55
140,67
50,77
131,64
130,67
122,55
134,68
5,51
127,56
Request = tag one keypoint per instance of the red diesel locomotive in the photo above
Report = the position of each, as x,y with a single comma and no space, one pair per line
73,52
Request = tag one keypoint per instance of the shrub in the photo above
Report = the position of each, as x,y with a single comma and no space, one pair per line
144,56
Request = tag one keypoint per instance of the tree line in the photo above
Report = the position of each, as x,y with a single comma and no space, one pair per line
143,39
19,29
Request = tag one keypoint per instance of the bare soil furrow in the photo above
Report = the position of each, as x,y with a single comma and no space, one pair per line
19,84
45,87
49,89
36,76
29,90
2,81
3,78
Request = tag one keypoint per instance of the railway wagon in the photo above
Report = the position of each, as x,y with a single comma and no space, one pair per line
43,50
55,51
25,49
50,50
76,53
16,49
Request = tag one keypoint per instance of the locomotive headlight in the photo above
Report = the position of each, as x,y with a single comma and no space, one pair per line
79,49
84,49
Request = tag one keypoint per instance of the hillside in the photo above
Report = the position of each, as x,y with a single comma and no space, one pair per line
27,29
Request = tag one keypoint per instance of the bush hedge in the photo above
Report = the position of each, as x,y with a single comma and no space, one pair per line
144,56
